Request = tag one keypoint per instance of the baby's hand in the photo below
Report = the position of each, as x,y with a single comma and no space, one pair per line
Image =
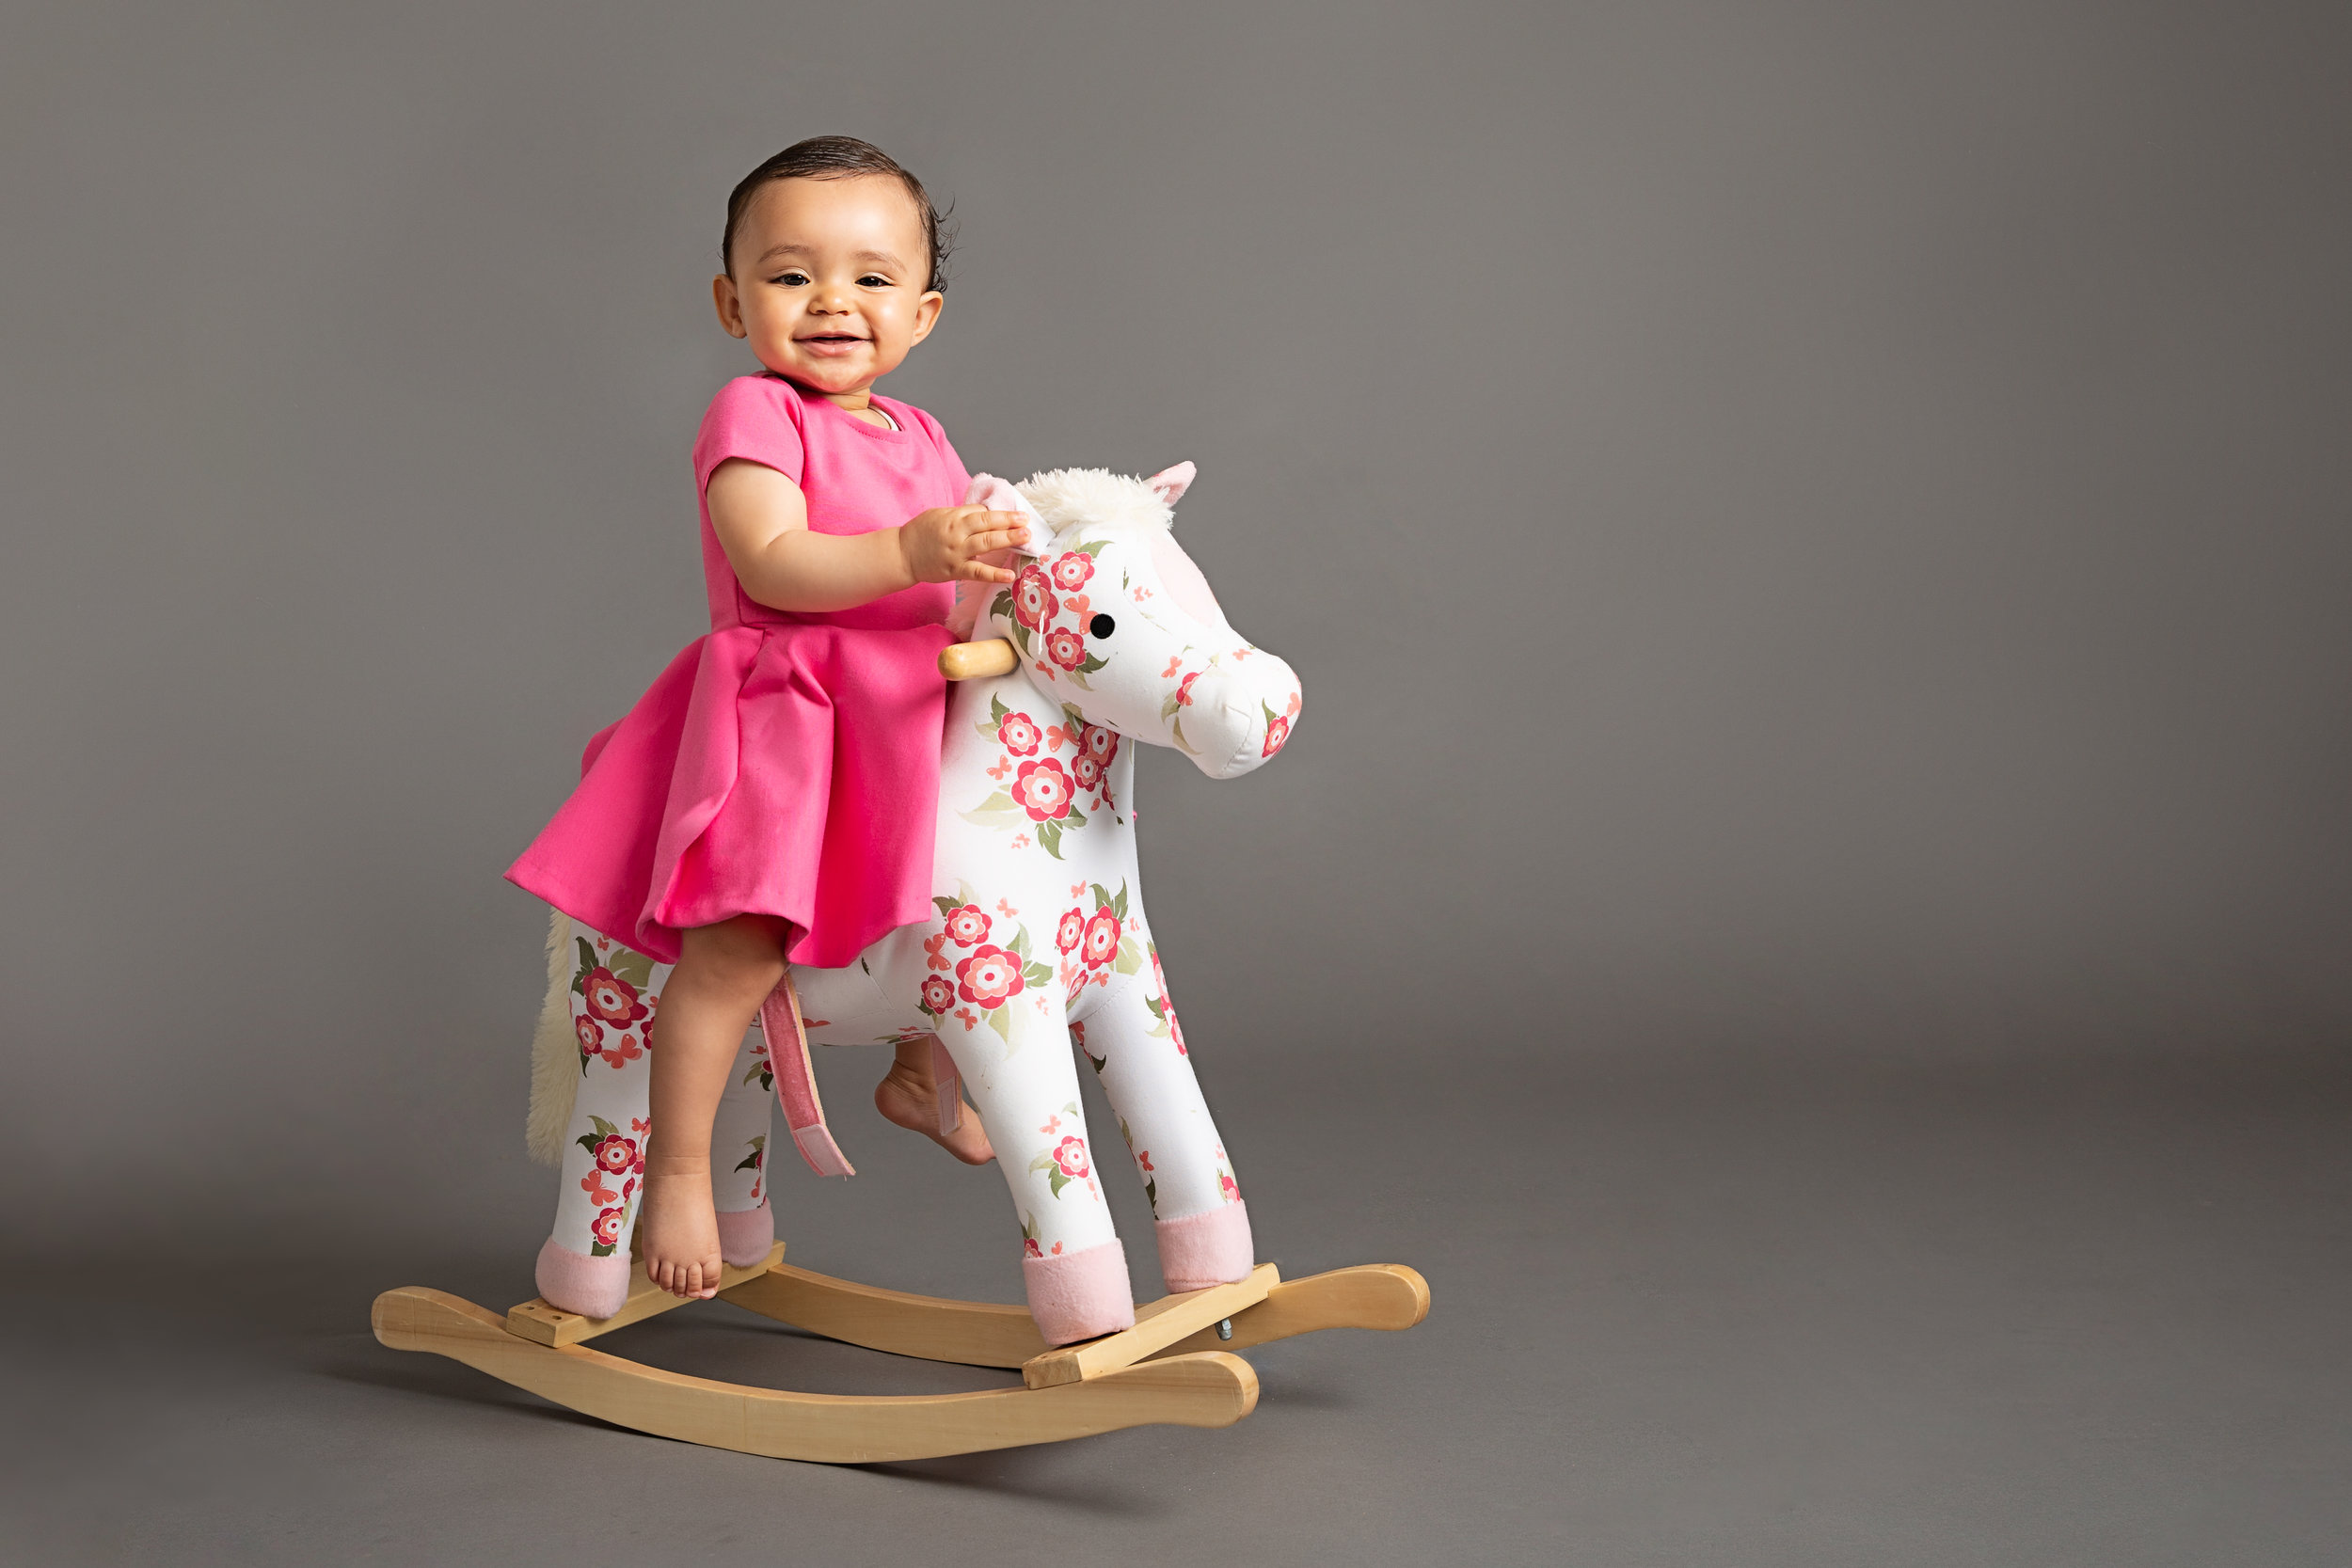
945,544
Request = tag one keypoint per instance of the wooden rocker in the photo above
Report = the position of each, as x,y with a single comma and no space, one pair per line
1168,1370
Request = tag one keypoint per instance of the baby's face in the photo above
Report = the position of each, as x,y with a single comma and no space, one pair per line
829,281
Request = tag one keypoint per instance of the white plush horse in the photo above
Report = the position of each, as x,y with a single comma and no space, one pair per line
1110,634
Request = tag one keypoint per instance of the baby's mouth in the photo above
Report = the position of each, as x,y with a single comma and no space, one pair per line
833,343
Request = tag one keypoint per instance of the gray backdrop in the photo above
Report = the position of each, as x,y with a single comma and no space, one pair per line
1811,532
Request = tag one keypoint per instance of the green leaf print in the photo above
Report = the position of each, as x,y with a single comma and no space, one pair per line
1119,905
1159,1008
1020,943
1000,1020
1002,605
603,1126
947,906
636,967
998,811
1049,838
1151,1191
1037,975
587,964
759,1153
1101,894
1130,955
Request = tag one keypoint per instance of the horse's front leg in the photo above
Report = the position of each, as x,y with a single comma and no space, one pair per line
1010,1048
1137,1048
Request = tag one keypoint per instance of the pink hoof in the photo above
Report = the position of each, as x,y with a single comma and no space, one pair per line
592,1287
745,1235
1080,1294
1209,1248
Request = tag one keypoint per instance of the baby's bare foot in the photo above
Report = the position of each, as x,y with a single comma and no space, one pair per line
680,1229
908,1096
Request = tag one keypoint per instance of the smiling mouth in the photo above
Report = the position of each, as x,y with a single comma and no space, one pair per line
833,338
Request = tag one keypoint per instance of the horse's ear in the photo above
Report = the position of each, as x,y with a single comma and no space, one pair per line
1169,484
999,495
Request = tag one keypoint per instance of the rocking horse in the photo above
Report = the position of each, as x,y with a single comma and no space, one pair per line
1110,634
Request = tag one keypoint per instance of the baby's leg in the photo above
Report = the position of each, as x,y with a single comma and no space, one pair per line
909,1095
584,1266
724,972
739,1155
1137,1048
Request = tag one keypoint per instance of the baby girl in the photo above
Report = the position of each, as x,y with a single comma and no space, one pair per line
770,798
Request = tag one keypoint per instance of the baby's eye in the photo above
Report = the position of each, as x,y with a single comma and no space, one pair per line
790,279
873,280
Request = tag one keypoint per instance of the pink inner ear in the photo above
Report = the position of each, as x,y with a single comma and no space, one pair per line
1182,582
1169,484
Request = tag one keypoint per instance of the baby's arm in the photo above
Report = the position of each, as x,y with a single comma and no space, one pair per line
761,519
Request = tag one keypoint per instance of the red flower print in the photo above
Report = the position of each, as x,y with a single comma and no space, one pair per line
989,977
966,925
611,999
1098,742
1078,1032
1033,602
607,1230
590,1033
1028,1245
1066,935
1070,1155
1088,771
1102,938
1070,571
1176,1033
938,994
616,1154
1231,1188
1277,732
1042,790
1019,733
1066,648
1183,690
1159,981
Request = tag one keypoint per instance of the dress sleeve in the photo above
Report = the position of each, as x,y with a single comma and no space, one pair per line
756,418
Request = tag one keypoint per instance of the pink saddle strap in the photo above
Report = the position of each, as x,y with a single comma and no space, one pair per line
796,1082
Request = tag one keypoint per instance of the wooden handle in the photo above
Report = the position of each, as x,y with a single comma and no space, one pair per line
964,662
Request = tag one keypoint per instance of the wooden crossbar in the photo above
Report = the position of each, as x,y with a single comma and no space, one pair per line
542,1324
1157,1327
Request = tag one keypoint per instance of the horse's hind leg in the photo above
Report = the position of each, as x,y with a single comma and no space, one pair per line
1135,1046
739,1155
584,1266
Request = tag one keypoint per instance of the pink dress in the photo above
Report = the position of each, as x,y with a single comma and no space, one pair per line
786,764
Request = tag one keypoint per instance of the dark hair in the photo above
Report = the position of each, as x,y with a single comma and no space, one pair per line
838,158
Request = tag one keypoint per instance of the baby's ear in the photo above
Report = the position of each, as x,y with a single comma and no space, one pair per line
1169,484
999,495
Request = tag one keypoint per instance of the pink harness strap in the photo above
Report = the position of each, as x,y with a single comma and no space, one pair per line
796,1082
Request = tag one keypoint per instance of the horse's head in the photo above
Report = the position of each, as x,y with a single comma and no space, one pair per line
1110,617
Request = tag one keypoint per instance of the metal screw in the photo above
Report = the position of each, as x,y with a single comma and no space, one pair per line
1225,1328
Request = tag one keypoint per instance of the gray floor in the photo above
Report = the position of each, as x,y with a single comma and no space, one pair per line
1687,1312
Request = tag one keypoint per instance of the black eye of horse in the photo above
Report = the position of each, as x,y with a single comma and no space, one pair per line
1101,626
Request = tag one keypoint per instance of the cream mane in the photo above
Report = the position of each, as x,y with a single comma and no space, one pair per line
1066,498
